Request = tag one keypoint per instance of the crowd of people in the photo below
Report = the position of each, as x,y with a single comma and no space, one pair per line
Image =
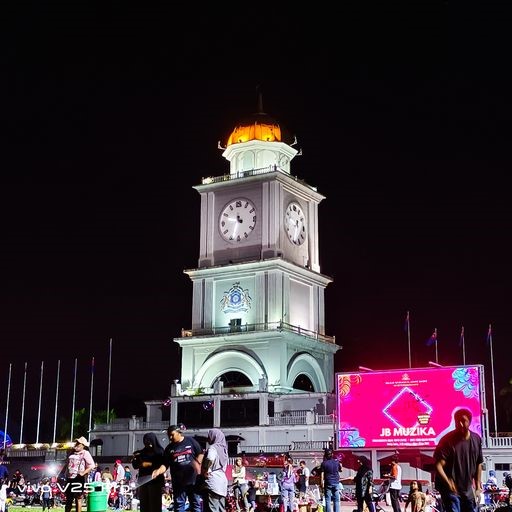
183,476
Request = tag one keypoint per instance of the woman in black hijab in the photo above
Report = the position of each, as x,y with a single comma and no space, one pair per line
146,461
364,484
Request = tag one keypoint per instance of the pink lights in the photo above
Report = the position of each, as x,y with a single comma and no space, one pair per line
405,408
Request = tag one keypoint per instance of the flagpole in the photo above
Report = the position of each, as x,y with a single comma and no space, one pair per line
409,338
7,406
463,347
56,402
437,358
90,401
73,406
23,403
39,408
109,375
492,377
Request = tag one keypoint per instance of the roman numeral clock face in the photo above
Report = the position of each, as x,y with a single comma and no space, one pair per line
295,224
237,220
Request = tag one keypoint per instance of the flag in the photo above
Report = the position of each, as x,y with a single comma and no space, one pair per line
432,339
461,340
406,324
489,335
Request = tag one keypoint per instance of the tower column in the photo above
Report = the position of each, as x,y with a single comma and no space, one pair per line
216,411
263,409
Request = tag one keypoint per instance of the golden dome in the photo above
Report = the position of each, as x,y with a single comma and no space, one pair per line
259,126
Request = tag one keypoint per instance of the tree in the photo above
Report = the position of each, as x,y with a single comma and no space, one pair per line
81,423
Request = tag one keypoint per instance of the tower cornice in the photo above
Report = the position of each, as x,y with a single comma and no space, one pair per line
250,267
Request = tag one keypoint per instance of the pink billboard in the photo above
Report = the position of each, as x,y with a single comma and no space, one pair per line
405,408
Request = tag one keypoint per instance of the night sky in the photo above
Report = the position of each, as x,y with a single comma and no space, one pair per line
105,132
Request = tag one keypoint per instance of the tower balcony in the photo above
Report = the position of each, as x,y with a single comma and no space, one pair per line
252,172
236,329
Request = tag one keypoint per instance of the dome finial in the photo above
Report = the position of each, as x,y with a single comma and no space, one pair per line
260,99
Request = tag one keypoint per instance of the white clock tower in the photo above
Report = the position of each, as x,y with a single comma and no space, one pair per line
258,293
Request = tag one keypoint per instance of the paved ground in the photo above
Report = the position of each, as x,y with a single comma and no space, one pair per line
349,506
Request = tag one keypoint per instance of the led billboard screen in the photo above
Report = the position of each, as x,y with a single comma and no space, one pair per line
405,408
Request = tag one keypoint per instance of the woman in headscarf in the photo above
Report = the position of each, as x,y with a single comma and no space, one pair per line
147,460
214,467
364,484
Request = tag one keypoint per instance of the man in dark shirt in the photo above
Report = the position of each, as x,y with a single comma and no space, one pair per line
458,459
330,480
183,456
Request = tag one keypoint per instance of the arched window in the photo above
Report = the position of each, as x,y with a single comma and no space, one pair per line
303,383
234,379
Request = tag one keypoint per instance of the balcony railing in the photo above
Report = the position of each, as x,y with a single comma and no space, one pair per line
267,326
253,172
267,448
289,418
309,445
500,442
113,427
294,417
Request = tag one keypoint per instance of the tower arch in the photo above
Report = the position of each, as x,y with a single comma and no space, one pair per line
305,364
228,361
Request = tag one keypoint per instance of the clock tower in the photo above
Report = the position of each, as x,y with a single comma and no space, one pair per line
258,293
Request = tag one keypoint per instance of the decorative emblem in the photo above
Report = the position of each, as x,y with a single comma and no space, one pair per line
236,299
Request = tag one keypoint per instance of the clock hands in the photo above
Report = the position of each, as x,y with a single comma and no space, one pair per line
294,224
237,220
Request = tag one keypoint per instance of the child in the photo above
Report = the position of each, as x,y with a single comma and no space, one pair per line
251,495
45,494
416,498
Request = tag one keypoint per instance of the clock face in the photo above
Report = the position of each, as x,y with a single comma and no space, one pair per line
237,220
295,224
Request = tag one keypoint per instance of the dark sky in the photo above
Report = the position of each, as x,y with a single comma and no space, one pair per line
109,119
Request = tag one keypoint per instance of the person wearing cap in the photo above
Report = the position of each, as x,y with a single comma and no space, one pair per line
119,480
78,465
492,480
118,471
183,457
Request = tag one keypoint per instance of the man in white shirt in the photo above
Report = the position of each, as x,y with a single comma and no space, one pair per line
119,471
395,475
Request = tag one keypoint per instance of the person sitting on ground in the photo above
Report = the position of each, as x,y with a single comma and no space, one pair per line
417,498
492,480
107,476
